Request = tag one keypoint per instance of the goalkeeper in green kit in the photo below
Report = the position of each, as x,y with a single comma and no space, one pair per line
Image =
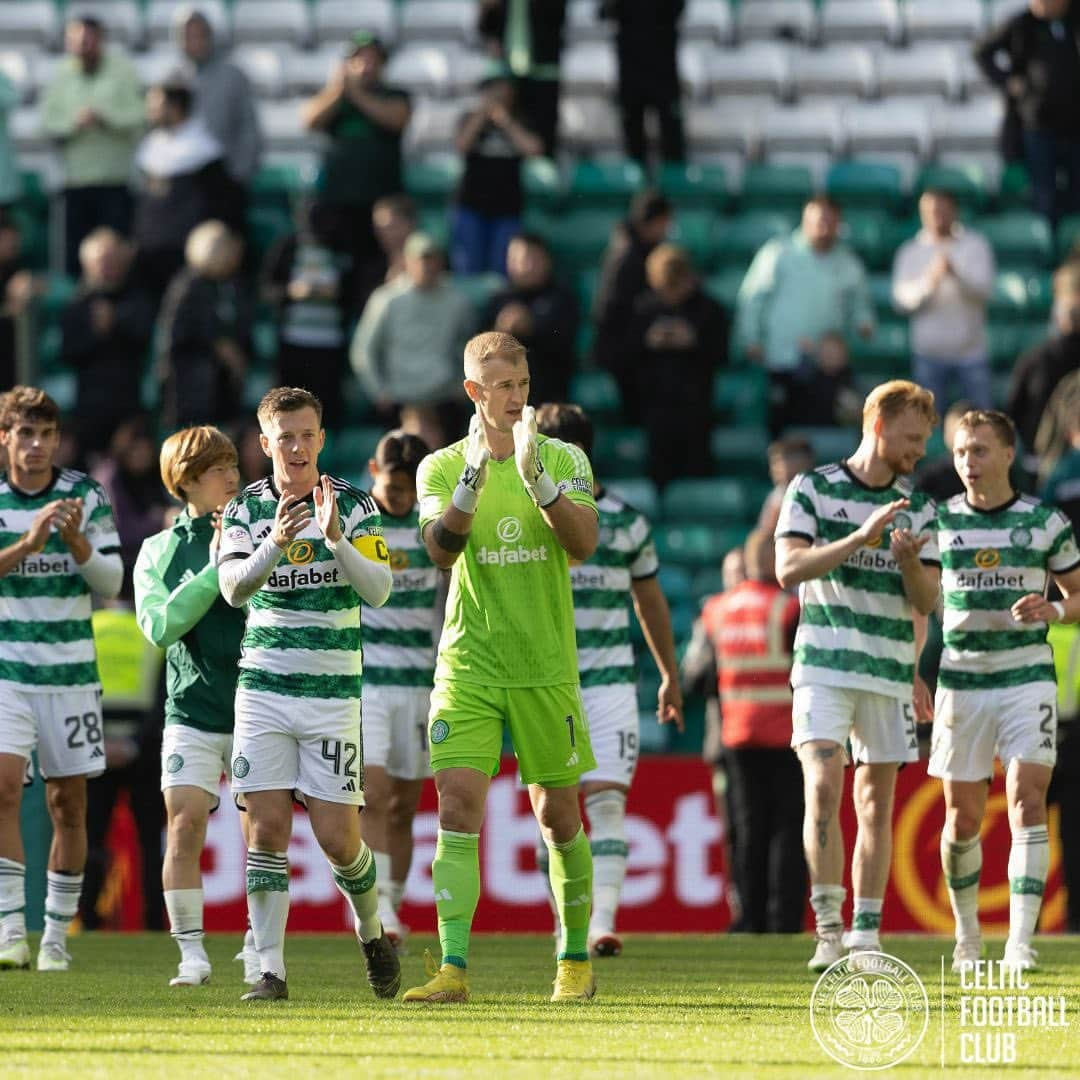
506,509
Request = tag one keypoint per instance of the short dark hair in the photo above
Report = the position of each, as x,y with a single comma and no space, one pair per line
178,94
398,451
648,205
567,422
1003,426
91,22
825,201
27,403
286,399
790,446
939,193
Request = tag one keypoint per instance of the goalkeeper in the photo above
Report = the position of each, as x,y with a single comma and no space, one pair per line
507,509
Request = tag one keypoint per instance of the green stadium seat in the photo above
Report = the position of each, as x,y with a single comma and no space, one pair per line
637,491
723,287
694,185
265,226
34,230
966,183
738,239
675,584
718,500
1068,237
874,184
578,239
431,181
347,452
597,393
1009,340
59,291
682,626
543,183
620,451
881,292
829,443
696,546
585,287
264,340
436,224
1021,294
776,187
256,385
740,451
706,583
605,183
886,353
34,196
694,231
50,339
358,408
1014,189
870,234
280,184
1019,238
479,288
741,395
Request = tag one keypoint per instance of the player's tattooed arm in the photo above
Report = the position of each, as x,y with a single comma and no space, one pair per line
449,540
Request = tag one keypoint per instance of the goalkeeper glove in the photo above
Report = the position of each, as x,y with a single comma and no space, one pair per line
467,493
527,458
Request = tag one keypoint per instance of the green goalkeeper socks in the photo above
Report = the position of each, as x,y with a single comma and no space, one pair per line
570,872
455,874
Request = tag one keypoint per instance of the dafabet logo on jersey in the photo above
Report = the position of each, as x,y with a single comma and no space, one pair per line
509,532
300,552
987,558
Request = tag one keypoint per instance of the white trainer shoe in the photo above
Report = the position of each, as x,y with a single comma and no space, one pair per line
192,973
830,948
15,955
966,953
53,957
1020,957
250,956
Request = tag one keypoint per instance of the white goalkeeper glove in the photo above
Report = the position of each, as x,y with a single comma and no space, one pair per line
527,458
467,493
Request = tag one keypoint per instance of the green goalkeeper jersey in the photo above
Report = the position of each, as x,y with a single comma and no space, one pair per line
510,613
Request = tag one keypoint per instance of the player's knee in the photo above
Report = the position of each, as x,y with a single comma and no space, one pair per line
458,812
961,823
10,798
1028,808
873,810
186,835
67,805
400,811
822,794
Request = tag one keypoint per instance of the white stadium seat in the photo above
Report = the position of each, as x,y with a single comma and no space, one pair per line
1003,10
808,128
122,19
282,21
155,66
726,126
841,69
926,69
19,65
589,125
589,68
335,20
161,18
433,125
422,69
894,124
777,18
761,67
964,19
582,23
707,20
308,72
33,21
438,20
466,71
973,125
695,68
24,125
263,65
281,125
860,20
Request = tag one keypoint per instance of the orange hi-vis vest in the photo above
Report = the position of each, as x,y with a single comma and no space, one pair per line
752,629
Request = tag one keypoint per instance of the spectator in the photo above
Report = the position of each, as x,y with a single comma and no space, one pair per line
17,289
253,462
797,289
309,284
787,458
224,101
94,109
676,340
1061,465
364,119
752,630
1034,57
541,313
487,207
184,182
646,44
938,476
407,349
10,181
622,281
394,219
106,331
527,35
943,278
132,481
1040,369
822,391
204,333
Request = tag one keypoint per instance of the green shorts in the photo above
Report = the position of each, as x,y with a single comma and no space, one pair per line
547,728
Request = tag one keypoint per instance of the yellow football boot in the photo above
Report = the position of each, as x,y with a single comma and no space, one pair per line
447,984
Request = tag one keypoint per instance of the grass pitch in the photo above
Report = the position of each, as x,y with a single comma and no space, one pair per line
669,1006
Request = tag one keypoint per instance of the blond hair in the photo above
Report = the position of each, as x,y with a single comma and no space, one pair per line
187,454
891,399
285,399
493,345
1002,425
668,265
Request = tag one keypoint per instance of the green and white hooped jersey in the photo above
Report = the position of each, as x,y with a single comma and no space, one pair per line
989,560
855,627
399,637
46,640
601,586
302,637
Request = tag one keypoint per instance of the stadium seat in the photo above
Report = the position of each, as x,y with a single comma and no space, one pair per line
920,70
840,69
776,18
19,66
348,451
694,231
706,583
865,184
868,232
761,67
282,126
263,66
433,179
807,128
717,500
589,125
597,393
696,546
1068,237
620,451
881,293
280,185
966,183
731,126
422,69
1019,238
1010,340
433,126
436,224
771,186
438,21
895,124
1020,295
161,19
639,492
675,583
579,237
307,72
707,20
740,451
695,69
335,20
543,183
887,353
741,396
695,185
723,287
265,226
272,20
931,19
738,239
582,23
972,125
588,67
860,20
829,443
358,408
31,22
605,183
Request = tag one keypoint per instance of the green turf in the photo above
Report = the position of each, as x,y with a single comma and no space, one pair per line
669,1006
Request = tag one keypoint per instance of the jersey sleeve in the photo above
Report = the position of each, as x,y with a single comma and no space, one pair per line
1064,555
433,490
363,527
798,512
100,528
645,562
236,539
927,526
570,469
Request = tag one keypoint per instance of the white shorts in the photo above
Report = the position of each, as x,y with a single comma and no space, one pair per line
310,746
612,713
64,727
194,758
1018,723
881,728
396,730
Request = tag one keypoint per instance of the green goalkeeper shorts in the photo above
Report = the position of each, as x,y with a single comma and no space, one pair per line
547,728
